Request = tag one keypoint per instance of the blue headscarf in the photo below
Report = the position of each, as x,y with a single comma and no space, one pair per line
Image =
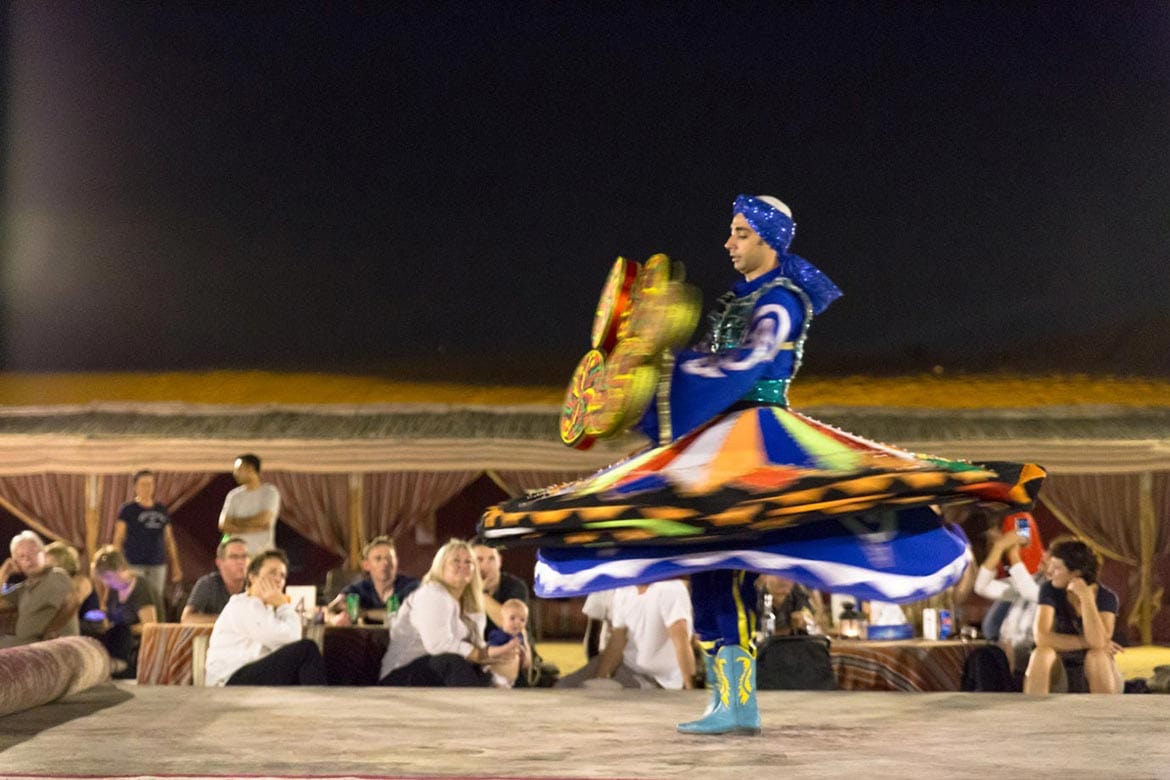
777,230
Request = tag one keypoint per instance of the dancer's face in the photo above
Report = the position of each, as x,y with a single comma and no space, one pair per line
750,255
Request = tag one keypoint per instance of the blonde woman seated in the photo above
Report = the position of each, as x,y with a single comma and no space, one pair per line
257,637
1074,626
64,556
437,638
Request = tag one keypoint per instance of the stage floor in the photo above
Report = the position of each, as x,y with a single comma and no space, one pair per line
122,729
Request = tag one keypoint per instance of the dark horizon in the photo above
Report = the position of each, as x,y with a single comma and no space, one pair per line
442,188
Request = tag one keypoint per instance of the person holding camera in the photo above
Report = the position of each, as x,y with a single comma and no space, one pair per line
1016,596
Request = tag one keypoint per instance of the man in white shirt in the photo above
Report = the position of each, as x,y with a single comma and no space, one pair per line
651,642
250,510
599,609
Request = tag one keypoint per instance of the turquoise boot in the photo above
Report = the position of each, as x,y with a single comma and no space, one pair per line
709,681
736,710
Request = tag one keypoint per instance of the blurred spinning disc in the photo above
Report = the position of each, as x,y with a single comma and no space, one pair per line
582,394
613,309
631,377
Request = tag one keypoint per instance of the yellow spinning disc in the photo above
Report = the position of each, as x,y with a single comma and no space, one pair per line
613,308
581,395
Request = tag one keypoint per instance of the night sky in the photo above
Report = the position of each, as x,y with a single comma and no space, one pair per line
439,189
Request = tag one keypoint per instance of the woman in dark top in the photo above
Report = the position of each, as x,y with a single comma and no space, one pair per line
130,603
1074,625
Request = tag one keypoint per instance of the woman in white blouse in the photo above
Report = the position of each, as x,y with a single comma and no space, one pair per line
257,638
437,637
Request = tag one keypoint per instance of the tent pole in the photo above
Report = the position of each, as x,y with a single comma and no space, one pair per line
1147,527
356,497
93,501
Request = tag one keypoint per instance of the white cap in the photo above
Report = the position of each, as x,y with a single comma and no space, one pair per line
775,203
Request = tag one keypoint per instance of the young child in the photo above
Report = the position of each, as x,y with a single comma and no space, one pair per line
513,625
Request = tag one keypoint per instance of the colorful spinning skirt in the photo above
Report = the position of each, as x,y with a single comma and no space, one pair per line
766,489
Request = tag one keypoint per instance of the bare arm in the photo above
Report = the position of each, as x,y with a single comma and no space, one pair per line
173,554
680,636
491,608
985,583
146,614
119,533
1044,636
611,656
592,639
260,521
67,610
190,616
1097,634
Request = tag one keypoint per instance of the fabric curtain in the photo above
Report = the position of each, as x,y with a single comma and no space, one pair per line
1100,508
315,505
1125,517
397,502
53,505
171,488
516,483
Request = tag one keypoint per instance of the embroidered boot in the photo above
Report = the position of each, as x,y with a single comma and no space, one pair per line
735,711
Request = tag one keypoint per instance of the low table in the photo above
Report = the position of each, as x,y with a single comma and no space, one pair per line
902,665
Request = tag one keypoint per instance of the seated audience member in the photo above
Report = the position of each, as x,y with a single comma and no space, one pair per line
1074,625
437,639
213,591
514,617
793,606
131,603
43,592
498,585
84,599
1020,592
598,608
382,580
651,642
257,637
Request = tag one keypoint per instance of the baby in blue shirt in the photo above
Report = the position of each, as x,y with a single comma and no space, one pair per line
513,625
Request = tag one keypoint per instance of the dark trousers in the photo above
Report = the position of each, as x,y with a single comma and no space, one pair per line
724,606
298,663
121,643
447,670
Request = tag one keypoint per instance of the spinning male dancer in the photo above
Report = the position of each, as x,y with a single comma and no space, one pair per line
752,350
740,481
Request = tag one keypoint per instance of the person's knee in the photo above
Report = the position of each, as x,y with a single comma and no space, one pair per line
1041,658
1041,665
1101,671
1098,656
